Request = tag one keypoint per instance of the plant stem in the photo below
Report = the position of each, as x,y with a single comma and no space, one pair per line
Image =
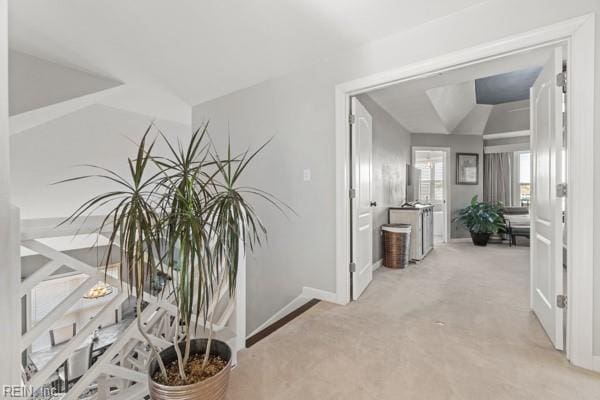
211,324
188,343
180,360
161,364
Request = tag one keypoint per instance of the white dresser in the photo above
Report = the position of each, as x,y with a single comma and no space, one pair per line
420,217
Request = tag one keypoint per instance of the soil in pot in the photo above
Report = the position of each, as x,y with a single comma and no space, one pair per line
193,371
480,239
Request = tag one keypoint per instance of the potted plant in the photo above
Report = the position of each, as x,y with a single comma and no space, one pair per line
482,220
182,215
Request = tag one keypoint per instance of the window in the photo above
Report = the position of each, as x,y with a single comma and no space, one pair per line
524,176
431,184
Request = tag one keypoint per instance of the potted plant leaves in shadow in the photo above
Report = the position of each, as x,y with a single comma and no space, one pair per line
185,215
482,220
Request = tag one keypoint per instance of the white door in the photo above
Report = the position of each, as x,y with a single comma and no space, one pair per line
546,206
362,215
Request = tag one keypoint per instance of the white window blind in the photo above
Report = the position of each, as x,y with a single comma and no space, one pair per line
431,185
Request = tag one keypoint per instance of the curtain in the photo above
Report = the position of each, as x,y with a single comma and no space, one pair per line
497,178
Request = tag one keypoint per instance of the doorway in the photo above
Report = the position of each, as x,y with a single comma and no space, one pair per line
579,39
433,186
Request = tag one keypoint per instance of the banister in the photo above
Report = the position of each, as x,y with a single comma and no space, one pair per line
229,324
41,228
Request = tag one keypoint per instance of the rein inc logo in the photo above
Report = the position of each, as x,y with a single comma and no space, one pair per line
25,392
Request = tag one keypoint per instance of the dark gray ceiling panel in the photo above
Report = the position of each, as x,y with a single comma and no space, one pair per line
504,88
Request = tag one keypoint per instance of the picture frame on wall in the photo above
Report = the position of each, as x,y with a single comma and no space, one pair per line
467,168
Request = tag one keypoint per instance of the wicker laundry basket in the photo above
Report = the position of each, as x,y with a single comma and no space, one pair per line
396,245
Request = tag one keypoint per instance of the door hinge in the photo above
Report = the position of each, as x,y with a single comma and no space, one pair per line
352,267
561,190
561,81
351,119
352,193
561,301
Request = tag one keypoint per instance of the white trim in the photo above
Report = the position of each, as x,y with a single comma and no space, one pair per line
579,35
312,293
285,310
597,363
580,232
447,183
377,264
342,187
492,50
506,148
504,135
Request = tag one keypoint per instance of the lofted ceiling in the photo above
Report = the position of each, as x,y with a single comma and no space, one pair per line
198,50
447,103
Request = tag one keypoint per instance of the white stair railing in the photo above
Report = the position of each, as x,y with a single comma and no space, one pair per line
121,371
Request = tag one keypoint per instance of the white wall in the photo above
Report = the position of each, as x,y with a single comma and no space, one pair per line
56,150
300,249
9,271
391,153
4,145
299,109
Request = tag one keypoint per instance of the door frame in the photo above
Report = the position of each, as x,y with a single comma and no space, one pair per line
447,180
579,36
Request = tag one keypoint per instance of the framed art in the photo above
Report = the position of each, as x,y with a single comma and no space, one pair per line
467,168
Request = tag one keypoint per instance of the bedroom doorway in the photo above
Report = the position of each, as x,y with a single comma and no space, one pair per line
577,37
433,186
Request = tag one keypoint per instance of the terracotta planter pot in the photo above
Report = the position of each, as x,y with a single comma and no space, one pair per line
213,388
480,239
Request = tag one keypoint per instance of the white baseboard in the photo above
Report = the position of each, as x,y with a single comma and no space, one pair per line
285,310
319,294
307,294
596,363
377,264
460,240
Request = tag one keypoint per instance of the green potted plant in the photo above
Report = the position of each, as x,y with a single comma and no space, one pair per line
482,220
184,215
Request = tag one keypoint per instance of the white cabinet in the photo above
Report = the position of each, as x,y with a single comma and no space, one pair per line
420,217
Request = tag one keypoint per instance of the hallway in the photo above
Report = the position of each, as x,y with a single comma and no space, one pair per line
456,326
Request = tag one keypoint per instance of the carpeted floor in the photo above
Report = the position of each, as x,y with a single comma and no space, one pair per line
456,326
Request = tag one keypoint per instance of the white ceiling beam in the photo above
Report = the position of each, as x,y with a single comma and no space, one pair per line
504,135
150,102
30,119
506,148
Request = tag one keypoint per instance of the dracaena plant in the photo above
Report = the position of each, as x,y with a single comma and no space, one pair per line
183,214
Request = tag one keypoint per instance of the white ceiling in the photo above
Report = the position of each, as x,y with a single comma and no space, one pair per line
445,103
198,50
